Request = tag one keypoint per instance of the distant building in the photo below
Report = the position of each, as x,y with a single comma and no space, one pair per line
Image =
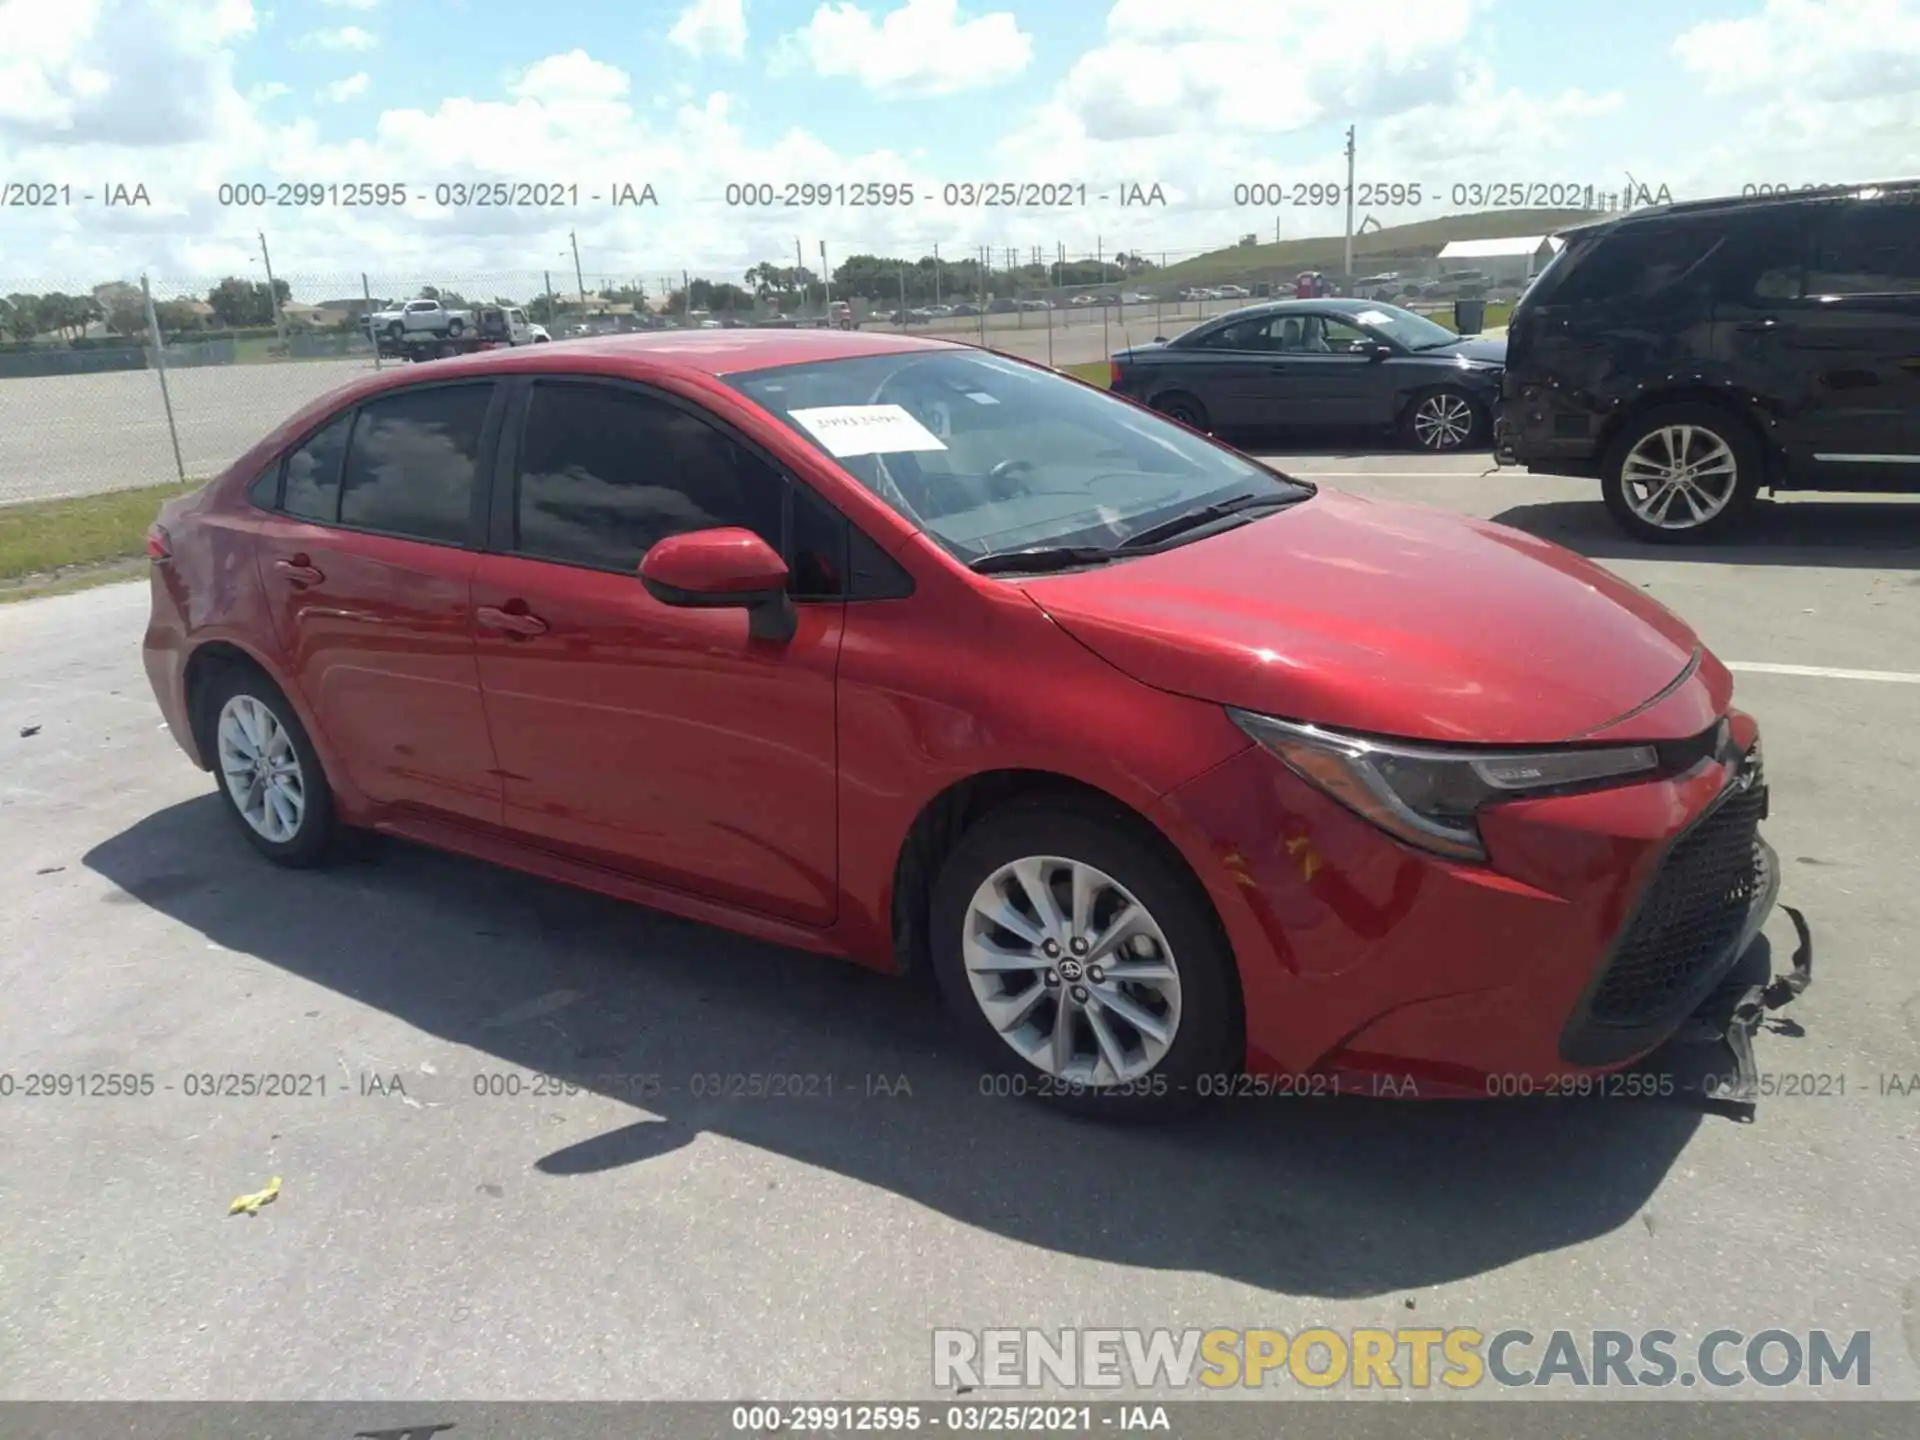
1503,262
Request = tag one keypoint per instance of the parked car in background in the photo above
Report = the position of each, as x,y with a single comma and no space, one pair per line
800,636
1691,355
1309,364
1231,292
419,317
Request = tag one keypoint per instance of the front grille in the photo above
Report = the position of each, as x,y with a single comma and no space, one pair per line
1694,908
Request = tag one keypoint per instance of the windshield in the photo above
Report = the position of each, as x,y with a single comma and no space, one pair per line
986,455
1403,327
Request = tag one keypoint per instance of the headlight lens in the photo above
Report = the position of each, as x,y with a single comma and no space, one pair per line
1428,796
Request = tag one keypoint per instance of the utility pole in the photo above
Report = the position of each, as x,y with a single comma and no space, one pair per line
686,294
936,273
826,278
1347,273
579,282
273,290
799,269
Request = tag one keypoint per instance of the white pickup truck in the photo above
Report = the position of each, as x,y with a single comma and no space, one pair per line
419,317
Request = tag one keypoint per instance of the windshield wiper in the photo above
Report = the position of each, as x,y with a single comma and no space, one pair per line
1038,558
1202,515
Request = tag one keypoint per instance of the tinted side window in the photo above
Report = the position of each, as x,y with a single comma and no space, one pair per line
1764,257
1868,247
313,475
1244,335
414,461
606,473
1639,263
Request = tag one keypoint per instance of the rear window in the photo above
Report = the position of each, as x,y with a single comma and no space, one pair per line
1638,263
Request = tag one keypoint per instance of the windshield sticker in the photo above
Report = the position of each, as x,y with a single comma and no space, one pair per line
849,430
980,397
1373,317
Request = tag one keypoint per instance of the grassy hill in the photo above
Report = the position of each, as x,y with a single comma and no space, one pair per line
1375,250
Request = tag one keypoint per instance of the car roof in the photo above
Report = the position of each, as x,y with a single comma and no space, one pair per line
1737,205
1343,305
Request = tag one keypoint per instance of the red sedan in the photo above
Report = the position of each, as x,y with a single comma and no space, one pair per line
1171,768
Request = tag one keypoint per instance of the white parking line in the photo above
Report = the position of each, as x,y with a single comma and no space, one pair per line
1826,672
1383,474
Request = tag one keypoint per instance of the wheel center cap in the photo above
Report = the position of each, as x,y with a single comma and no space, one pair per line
1070,970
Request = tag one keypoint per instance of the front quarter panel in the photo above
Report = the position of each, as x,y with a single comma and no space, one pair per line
966,680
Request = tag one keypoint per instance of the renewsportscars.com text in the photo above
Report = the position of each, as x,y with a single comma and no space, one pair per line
1460,1358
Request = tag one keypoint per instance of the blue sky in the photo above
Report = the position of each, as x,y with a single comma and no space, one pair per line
1198,96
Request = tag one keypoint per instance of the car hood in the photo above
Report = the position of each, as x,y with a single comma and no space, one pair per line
1476,348
1399,621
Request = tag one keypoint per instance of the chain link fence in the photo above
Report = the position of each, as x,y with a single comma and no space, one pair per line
145,380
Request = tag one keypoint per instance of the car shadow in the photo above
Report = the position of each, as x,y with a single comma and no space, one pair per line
1876,534
1329,1198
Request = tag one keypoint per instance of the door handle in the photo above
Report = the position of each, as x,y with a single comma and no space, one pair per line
514,622
301,571
1758,326
1275,369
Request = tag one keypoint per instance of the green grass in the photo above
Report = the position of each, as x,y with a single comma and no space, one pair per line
1094,372
1372,251
47,546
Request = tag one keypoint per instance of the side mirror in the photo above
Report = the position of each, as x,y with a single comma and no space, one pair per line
723,569
1159,339
1380,352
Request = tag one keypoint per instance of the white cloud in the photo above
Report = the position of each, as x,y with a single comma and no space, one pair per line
1198,66
1824,50
717,27
925,47
117,71
1806,91
347,37
351,88
352,4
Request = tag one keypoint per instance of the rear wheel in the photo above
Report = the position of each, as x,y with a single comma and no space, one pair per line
1184,408
269,774
1681,473
1082,965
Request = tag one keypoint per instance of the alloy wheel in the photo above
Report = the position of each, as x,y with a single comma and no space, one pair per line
1443,422
1072,971
1679,476
261,769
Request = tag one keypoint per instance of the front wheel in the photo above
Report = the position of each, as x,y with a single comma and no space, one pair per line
1443,421
1681,473
454,327
396,332
1085,968
270,776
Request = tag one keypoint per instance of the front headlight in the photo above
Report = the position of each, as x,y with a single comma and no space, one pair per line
1426,795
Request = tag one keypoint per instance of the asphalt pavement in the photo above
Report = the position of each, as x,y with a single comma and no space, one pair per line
446,1230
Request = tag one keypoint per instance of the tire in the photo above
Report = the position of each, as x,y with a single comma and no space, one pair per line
1433,420
1184,408
235,701
454,327
1726,458
396,332
1206,1031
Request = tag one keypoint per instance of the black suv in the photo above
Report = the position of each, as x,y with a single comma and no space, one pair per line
1690,355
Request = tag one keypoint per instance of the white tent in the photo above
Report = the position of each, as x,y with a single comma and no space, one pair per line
1530,248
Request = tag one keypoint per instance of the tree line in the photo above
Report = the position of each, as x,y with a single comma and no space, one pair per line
237,304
